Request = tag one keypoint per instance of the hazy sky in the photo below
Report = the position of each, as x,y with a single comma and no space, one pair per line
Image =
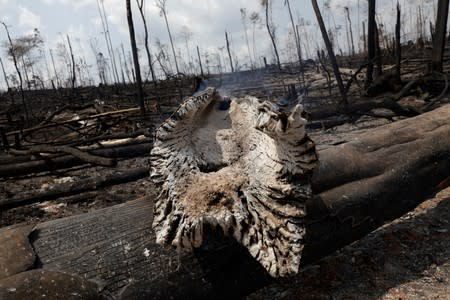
206,19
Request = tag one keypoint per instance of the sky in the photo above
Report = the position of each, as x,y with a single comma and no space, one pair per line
207,21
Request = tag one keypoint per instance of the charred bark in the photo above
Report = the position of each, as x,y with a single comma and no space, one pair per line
439,37
135,56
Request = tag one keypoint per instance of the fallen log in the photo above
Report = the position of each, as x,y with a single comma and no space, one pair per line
360,185
82,155
68,161
72,188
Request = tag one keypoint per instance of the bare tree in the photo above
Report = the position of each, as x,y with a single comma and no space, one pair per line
186,35
371,47
398,46
73,76
244,24
229,53
12,50
104,20
350,29
140,4
200,62
331,55
255,20
271,31
135,56
161,4
439,40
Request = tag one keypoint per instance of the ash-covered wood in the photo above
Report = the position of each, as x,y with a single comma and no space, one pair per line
245,170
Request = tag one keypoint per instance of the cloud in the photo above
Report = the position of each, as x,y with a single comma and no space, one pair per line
28,19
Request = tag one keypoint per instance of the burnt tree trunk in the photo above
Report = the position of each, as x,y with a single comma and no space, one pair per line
229,52
330,51
371,45
140,4
135,56
398,45
439,37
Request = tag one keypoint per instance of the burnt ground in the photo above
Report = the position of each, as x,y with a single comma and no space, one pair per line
408,258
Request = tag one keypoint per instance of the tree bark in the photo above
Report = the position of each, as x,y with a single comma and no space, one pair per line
439,37
331,55
135,56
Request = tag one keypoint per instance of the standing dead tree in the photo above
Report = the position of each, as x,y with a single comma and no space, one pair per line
330,51
371,48
200,62
398,46
135,56
4,74
350,29
161,4
229,52
104,20
244,24
439,37
13,54
271,31
73,76
140,4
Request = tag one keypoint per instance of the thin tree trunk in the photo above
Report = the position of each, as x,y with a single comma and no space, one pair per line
200,62
127,70
18,73
108,34
378,55
4,74
351,31
272,38
302,72
229,53
364,37
171,41
398,46
135,56
74,76
246,38
371,48
108,43
329,47
296,36
147,49
58,84
439,40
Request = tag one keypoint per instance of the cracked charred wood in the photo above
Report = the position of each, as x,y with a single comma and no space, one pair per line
246,172
68,161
